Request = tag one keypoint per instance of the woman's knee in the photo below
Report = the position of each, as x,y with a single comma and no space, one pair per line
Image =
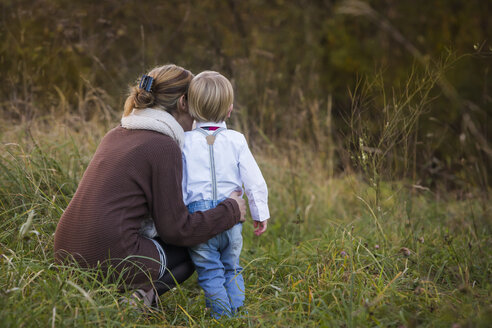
187,269
173,276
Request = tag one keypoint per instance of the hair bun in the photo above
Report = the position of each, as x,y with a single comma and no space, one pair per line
168,84
142,98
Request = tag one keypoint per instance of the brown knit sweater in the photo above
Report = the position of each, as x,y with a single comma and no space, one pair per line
134,174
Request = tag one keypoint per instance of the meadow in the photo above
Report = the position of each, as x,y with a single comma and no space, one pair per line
370,120
331,257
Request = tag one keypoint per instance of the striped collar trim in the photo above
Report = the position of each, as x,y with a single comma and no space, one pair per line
213,124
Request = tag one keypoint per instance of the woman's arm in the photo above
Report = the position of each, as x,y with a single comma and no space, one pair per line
172,220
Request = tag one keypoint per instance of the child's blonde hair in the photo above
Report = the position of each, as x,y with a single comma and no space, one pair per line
210,97
170,83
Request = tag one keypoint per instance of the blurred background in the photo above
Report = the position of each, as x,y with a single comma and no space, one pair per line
396,89
370,120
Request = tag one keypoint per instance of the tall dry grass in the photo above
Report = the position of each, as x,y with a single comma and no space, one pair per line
329,257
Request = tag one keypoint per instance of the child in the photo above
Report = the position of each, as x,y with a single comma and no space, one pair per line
217,161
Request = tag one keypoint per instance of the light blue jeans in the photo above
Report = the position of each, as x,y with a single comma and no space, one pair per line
217,265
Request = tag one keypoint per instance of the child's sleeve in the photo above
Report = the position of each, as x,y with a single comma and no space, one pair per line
254,184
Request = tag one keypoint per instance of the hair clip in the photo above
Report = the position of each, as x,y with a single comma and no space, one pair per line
146,82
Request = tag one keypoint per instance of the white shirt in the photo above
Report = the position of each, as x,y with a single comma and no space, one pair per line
235,166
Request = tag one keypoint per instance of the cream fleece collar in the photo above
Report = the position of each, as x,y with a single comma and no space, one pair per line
155,120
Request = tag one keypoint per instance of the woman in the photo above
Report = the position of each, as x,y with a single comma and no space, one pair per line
135,175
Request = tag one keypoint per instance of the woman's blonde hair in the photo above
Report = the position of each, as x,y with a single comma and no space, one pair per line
170,83
210,96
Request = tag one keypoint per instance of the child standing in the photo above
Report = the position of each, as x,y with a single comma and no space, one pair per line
216,162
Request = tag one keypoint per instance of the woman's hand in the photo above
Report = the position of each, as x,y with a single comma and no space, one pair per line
236,195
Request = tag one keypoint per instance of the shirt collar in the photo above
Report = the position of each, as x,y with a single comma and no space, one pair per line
217,124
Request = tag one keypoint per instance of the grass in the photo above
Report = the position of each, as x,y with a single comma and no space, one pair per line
326,260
